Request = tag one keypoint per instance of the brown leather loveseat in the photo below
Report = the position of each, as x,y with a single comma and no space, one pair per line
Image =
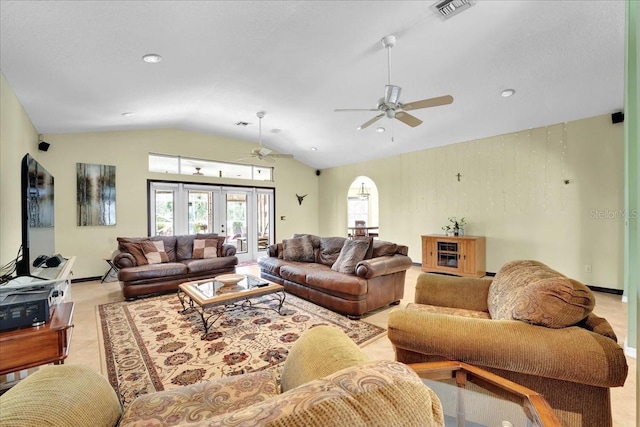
149,265
350,277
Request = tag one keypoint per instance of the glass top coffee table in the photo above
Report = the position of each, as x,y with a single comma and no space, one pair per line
473,397
211,298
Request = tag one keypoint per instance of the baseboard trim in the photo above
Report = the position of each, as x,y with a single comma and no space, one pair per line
86,279
605,290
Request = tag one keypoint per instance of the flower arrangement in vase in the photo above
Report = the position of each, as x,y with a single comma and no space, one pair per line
456,228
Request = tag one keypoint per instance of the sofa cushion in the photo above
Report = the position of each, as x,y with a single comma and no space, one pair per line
205,248
196,403
369,253
382,248
197,266
271,264
338,284
352,252
154,251
381,393
152,271
135,249
452,311
297,272
330,249
534,293
298,249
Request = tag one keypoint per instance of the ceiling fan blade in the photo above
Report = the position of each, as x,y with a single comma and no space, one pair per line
375,119
426,103
282,156
342,110
408,119
264,151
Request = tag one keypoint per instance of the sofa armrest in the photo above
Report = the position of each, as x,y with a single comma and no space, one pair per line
61,395
228,250
124,260
382,265
571,354
456,292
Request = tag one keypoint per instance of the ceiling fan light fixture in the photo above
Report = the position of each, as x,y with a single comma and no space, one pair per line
380,129
392,94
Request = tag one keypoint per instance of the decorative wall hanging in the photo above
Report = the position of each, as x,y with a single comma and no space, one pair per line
96,194
300,198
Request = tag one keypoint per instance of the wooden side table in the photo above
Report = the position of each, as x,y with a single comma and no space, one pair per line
38,345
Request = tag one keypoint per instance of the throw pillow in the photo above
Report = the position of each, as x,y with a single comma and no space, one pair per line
353,251
369,253
154,251
205,248
298,249
135,249
382,248
213,236
531,292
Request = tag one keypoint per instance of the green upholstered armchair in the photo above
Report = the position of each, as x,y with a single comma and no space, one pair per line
572,361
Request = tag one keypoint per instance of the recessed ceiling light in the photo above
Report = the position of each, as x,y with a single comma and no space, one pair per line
314,149
152,58
507,93
128,114
380,129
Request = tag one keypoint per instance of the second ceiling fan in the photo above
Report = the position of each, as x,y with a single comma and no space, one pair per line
390,104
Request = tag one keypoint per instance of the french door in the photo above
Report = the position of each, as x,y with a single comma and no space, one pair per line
243,214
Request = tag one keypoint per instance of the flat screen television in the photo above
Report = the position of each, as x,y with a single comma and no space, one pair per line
38,225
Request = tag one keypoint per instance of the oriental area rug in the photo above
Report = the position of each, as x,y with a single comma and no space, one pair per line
149,345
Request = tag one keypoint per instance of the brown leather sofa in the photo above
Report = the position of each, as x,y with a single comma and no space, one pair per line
377,280
529,324
139,277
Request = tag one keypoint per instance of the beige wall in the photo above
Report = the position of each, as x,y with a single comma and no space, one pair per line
128,152
17,137
512,191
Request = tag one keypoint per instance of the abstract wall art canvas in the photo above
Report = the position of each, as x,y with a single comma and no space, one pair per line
96,194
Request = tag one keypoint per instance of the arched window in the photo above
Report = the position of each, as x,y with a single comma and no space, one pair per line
362,207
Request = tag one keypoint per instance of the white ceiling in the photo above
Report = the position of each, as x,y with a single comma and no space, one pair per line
76,67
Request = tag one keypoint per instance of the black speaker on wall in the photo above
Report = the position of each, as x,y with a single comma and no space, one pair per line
43,146
318,172
617,117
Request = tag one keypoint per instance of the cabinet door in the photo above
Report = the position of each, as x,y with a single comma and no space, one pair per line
468,254
428,252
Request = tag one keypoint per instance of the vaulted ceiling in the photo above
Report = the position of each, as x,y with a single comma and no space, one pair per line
77,66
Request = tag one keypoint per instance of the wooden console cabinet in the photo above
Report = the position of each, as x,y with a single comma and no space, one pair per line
38,345
460,255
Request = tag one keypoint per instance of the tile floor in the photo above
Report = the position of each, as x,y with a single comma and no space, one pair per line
85,346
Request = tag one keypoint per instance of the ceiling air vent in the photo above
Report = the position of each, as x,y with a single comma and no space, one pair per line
242,124
448,8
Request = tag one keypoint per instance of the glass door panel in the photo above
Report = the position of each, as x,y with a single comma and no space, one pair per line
263,232
163,215
237,221
200,212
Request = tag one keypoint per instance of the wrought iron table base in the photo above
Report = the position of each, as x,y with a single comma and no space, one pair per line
216,311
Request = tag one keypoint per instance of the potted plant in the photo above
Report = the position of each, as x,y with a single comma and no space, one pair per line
448,230
456,227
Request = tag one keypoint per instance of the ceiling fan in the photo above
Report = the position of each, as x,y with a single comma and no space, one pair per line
390,104
264,153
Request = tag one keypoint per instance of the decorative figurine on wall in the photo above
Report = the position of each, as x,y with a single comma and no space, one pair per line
300,198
